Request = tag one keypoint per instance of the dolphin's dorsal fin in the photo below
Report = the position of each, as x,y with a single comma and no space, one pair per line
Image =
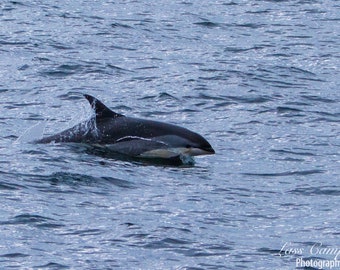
100,109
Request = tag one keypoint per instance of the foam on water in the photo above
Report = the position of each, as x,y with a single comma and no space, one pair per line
33,133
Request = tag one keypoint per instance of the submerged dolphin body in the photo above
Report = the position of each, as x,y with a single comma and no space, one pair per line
134,137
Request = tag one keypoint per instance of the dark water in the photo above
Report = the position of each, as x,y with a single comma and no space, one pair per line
259,79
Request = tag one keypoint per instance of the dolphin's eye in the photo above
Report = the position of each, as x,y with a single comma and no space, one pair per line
188,146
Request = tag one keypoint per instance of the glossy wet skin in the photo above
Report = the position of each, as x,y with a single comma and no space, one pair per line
133,136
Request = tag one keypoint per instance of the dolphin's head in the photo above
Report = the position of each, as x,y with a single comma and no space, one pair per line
196,145
188,143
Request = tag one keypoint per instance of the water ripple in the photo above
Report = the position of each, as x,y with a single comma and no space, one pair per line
83,179
14,255
52,265
33,220
317,191
65,70
287,173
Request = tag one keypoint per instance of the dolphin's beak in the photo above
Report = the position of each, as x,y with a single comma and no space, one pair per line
200,151
209,150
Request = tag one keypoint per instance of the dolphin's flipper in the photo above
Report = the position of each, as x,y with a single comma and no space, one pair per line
100,109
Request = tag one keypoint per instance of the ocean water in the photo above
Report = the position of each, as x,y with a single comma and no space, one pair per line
258,79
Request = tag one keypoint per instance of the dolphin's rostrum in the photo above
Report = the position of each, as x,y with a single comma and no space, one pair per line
134,137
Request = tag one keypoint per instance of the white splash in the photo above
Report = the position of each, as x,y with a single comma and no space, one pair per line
33,133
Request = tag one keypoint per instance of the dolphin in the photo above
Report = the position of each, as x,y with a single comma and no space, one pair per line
134,137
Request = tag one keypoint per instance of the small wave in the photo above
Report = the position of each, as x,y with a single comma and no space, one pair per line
14,255
260,217
116,68
63,70
163,96
9,186
185,248
240,50
250,25
13,43
52,265
311,191
319,99
251,99
166,243
84,232
34,220
228,100
74,178
208,24
285,109
289,173
192,252
123,48
268,250
71,95
283,151
120,25
83,67
60,46
325,119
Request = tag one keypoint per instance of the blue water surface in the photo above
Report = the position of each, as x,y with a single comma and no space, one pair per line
258,79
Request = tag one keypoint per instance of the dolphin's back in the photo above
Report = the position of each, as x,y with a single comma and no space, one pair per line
118,128
83,132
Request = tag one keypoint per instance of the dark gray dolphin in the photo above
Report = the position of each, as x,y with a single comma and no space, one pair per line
133,136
